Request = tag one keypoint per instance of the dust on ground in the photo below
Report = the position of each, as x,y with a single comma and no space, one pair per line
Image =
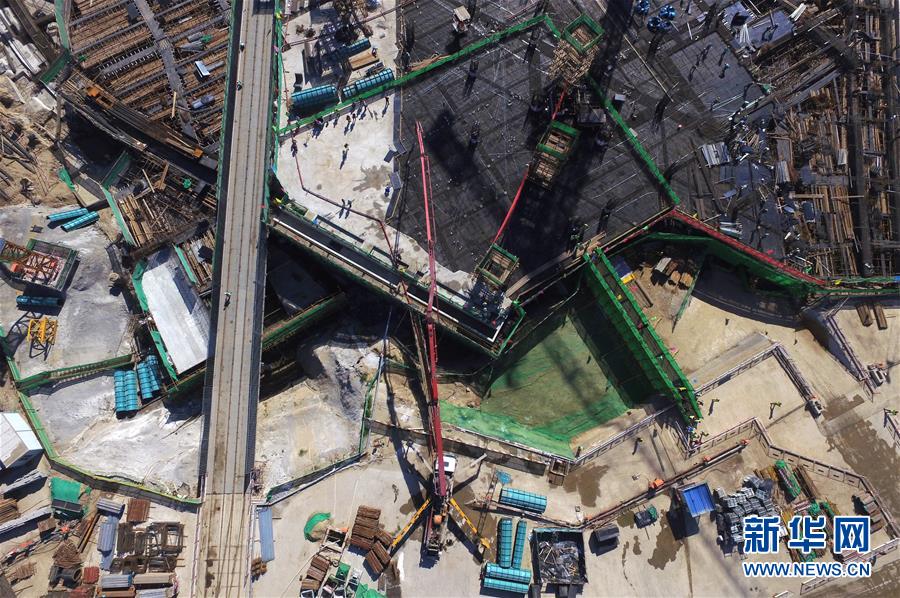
317,420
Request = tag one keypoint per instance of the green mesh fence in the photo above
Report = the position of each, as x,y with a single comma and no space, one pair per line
59,10
639,336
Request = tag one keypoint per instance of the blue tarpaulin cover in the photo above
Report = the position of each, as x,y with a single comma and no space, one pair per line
698,499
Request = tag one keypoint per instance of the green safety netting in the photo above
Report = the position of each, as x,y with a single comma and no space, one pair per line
64,177
312,523
364,591
566,378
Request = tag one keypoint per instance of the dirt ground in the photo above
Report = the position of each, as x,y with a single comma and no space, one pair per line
25,117
93,319
84,429
317,420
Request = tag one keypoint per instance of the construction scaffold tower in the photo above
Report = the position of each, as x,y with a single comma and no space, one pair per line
577,48
32,264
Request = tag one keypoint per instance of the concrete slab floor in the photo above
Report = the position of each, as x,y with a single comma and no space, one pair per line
93,319
79,416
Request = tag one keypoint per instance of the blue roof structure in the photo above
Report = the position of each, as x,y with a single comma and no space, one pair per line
266,535
698,499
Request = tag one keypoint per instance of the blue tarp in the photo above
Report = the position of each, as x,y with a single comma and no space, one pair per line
266,535
698,499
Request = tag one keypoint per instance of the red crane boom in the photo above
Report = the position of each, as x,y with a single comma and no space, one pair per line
434,409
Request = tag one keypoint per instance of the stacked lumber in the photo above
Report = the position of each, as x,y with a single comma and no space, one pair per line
23,571
67,556
315,575
138,510
364,527
380,556
8,510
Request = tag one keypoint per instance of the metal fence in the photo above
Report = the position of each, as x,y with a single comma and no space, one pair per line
886,548
752,428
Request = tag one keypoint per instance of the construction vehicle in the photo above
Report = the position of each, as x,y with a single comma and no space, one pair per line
439,503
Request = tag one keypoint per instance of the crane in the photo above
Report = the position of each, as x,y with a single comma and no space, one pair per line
440,503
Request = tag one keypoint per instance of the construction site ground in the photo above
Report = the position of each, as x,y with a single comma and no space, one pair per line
648,562
81,420
852,429
36,496
316,420
92,321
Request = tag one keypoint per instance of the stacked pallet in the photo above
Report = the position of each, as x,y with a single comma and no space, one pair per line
138,510
379,557
364,527
315,575
8,510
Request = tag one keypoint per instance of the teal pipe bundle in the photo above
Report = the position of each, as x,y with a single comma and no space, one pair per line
125,385
315,97
28,301
504,542
357,47
67,215
506,586
364,85
519,544
512,574
89,218
527,501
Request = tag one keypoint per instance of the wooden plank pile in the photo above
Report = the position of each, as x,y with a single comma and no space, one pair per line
364,527
8,510
315,575
138,510
23,571
379,557
67,556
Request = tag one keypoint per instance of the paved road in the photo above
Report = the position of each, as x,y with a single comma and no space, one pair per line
232,384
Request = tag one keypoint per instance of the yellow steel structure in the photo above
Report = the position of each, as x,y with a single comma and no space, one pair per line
42,331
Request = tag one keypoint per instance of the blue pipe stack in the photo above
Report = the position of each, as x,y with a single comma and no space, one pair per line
148,377
506,574
81,221
67,215
126,391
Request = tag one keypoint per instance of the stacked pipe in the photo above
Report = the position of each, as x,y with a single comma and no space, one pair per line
506,574
81,221
67,215
527,501
148,377
126,391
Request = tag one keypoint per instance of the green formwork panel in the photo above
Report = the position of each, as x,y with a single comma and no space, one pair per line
655,359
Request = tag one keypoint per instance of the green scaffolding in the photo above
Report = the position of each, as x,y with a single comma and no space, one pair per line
639,336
